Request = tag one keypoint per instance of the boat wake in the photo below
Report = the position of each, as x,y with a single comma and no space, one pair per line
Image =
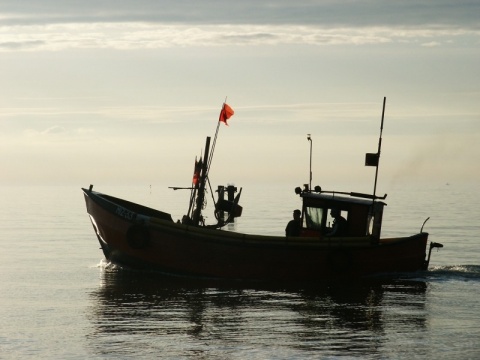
454,272
106,265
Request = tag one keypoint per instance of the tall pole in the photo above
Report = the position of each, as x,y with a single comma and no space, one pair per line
379,149
216,134
309,138
201,189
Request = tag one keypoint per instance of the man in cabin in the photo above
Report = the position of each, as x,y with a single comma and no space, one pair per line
294,226
339,227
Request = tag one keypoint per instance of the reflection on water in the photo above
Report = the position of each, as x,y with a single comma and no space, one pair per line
175,317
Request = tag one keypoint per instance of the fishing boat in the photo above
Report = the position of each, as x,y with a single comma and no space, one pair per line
349,246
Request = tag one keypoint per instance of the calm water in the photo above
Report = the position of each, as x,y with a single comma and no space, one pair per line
60,300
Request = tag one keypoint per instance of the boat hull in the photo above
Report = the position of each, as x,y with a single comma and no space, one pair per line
143,238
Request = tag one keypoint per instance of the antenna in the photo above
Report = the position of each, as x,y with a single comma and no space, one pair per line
379,148
309,138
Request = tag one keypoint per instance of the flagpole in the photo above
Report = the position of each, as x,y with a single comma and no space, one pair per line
216,135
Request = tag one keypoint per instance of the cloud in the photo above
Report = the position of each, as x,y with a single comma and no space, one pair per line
129,36
431,44
53,131
300,12
58,133
21,45
152,24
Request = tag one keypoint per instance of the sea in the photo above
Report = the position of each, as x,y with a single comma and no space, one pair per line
60,299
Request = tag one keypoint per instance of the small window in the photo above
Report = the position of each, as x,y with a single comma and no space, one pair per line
330,218
313,218
331,228
369,224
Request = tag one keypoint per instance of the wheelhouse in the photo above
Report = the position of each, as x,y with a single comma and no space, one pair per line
363,216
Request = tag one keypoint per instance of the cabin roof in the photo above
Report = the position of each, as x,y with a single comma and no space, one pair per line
333,197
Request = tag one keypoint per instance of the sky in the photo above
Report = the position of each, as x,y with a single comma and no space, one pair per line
125,92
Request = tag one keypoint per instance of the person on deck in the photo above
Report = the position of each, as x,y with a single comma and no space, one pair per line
339,227
294,226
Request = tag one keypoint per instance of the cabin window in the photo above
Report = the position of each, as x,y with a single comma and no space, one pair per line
369,224
337,227
313,218
330,218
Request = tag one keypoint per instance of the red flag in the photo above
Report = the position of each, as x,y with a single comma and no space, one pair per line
226,113
196,173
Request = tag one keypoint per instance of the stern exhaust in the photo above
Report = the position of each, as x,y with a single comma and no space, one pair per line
432,245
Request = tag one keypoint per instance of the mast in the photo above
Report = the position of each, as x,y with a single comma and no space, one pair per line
197,213
197,197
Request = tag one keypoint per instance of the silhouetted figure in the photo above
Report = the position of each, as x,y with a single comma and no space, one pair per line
294,226
339,227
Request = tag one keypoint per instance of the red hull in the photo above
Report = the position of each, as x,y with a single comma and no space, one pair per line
140,237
